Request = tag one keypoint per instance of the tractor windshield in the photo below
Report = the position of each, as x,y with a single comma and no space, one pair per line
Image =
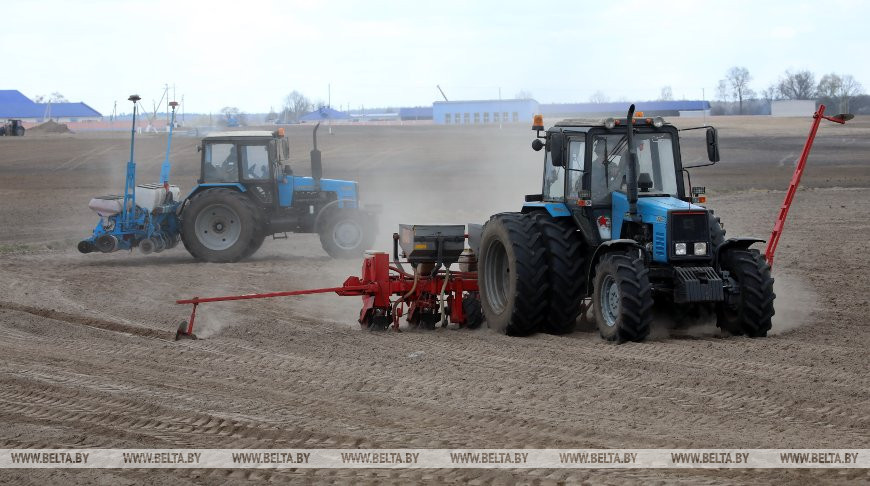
656,168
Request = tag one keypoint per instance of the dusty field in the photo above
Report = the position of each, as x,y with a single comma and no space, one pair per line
84,362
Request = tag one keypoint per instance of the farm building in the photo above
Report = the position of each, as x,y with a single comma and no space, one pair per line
653,108
416,113
484,111
792,108
14,105
323,114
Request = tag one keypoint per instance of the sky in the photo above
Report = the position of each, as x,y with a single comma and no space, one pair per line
374,53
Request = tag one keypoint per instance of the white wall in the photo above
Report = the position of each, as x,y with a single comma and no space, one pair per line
694,113
792,108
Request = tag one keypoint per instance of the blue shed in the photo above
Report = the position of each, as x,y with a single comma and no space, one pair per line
416,113
484,111
322,114
663,108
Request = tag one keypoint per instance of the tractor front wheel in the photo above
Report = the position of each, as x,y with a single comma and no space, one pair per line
346,234
623,298
751,310
221,225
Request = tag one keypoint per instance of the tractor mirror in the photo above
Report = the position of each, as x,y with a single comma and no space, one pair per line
199,148
537,145
316,165
555,148
285,148
712,145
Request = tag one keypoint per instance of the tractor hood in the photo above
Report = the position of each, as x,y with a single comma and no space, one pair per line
654,211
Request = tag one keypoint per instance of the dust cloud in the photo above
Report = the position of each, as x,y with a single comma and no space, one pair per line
796,300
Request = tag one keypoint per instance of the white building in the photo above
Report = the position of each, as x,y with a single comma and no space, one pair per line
792,108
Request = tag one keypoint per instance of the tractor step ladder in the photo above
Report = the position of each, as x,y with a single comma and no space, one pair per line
796,180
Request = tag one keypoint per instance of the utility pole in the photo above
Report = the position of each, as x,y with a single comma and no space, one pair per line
704,98
499,108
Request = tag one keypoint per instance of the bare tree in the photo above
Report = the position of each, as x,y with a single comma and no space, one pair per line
295,105
800,85
523,94
57,98
722,91
770,93
598,97
271,116
848,90
667,94
838,88
232,117
738,79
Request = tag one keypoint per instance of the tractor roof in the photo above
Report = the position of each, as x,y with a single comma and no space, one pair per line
241,134
583,124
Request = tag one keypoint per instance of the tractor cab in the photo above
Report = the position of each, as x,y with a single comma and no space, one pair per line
251,159
589,175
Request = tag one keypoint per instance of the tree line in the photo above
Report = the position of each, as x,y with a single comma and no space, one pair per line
736,96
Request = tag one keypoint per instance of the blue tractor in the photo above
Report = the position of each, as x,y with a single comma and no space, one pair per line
245,192
617,226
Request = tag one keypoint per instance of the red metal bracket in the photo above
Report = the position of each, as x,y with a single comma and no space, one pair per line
796,179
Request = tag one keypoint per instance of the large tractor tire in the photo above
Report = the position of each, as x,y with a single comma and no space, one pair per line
751,312
565,257
623,297
221,225
717,232
346,233
512,274
19,131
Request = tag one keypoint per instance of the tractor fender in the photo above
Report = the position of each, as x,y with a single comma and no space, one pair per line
202,187
607,247
740,243
334,205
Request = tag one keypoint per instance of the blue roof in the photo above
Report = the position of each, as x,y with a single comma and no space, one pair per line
13,104
416,112
621,107
324,113
70,110
12,96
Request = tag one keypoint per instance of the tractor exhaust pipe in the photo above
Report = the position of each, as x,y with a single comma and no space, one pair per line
316,163
631,184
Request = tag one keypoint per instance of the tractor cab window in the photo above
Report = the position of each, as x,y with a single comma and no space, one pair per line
220,163
609,165
255,162
554,180
576,166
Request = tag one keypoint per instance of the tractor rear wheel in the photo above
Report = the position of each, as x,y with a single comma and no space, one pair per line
221,225
564,254
751,312
513,274
622,298
19,131
346,234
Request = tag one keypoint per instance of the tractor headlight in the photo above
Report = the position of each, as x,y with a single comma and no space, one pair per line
658,122
609,123
700,248
680,248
